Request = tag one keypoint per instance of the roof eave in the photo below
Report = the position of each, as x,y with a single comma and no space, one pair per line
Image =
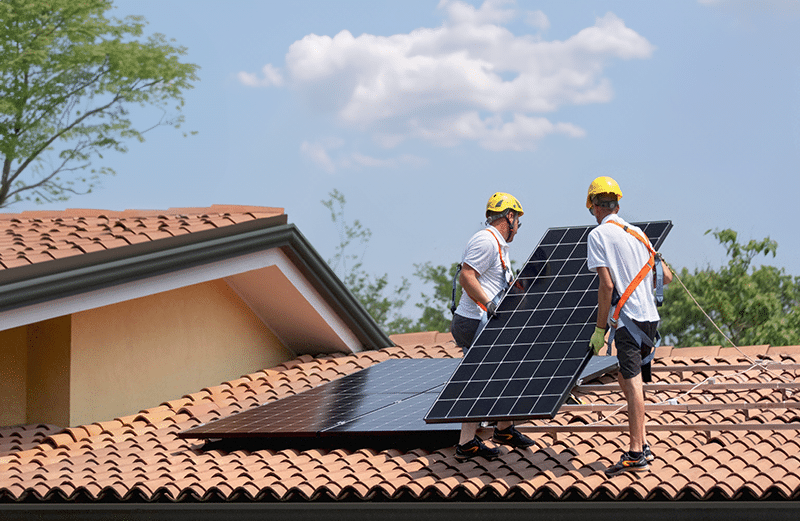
368,510
42,282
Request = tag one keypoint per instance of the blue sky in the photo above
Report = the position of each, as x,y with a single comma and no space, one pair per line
417,111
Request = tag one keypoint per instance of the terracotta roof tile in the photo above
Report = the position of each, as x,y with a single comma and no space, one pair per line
33,237
140,456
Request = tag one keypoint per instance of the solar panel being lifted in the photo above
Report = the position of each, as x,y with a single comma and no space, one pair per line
524,363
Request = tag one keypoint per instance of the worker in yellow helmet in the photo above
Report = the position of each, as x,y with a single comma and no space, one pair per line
624,260
486,273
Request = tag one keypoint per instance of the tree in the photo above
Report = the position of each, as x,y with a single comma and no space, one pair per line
436,315
751,305
68,78
381,302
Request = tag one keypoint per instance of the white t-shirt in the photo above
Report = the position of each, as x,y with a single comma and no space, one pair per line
483,255
624,255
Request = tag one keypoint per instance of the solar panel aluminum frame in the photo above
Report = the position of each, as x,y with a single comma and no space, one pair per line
524,364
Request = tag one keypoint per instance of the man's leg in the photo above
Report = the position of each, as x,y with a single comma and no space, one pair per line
468,432
470,446
644,428
633,390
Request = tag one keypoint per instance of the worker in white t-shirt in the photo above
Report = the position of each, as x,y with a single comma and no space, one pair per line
485,272
624,260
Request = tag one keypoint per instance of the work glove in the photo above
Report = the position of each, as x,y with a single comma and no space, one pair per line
598,340
491,309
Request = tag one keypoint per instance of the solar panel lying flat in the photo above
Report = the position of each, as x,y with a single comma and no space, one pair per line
390,397
524,363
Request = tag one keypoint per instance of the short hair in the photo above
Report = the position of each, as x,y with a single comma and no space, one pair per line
607,200
492,216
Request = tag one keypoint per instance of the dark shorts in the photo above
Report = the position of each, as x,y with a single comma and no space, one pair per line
463,330
629,353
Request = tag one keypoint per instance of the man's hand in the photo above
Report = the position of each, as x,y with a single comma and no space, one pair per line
491,309
598,340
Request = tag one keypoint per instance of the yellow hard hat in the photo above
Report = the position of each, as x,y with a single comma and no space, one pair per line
602,185
502,201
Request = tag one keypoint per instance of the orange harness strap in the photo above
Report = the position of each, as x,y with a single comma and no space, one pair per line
502,263
651,263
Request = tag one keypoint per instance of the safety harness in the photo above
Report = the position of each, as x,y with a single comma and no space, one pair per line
506,270
653,263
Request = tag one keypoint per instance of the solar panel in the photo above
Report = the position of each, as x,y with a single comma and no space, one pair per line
597,367
524,363
390,397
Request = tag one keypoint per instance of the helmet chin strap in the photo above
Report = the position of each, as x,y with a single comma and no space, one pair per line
510,228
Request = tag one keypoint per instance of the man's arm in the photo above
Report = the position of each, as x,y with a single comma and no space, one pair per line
468,278
604,295
667,272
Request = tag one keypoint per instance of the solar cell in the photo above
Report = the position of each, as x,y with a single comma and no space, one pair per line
524,363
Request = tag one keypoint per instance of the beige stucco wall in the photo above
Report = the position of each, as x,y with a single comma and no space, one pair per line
13,375
48,374
138,354
34,373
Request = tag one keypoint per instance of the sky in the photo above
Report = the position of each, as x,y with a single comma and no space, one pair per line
418,111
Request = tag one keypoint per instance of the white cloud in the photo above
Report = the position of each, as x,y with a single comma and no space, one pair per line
490,12
318,154
471,79
271,77
537,20
326,155
493,133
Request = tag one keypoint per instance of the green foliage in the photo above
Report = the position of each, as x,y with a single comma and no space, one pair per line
381,302
68,76
436,315
752,306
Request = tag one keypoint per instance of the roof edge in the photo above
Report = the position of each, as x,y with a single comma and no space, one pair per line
29,285
369,510
324,280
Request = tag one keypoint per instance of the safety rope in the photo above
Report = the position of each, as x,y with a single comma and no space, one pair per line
750,359
711,379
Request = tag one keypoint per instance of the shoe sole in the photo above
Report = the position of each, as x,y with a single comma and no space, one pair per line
508,443
462,459
522,446
625,469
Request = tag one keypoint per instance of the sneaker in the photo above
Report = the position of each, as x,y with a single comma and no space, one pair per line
511,436
648,454
475,448
627,464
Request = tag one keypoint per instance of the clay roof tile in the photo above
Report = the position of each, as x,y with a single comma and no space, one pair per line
116,458
43,236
